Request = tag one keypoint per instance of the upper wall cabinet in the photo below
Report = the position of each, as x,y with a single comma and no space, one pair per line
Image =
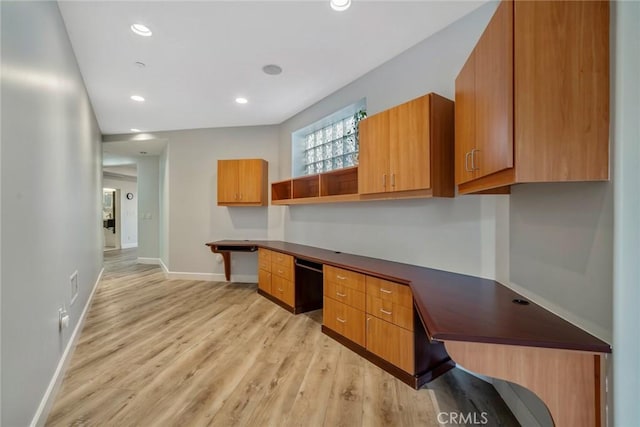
242,182
532,100
407,151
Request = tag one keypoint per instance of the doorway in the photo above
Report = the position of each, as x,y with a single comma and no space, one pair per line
111,223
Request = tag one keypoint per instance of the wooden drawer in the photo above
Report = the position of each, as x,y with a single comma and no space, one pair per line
345,320
264,259
390,311
346,295
389,291
281,259
283,289
264,281
286,272
347,278
393,343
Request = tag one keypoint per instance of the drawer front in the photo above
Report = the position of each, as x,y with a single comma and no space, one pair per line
283,289
345,295
390,311
389,291
347,278
345,320
264,259
264,281
281,259
392,343
286,272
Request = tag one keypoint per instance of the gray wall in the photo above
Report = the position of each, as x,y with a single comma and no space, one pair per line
149,207
51,200
164,207
626,289
466,234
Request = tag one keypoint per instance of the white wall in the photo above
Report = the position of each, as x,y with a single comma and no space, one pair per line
464,234
626,289
128,209
149,207
51,201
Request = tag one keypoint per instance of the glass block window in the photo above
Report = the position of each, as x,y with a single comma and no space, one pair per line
335,146
328,144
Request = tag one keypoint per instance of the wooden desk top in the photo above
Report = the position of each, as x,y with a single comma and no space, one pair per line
452,306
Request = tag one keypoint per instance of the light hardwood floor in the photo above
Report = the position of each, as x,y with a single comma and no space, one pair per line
156,352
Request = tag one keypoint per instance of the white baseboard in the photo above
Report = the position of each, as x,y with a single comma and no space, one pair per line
129,245
46,403
154,261
165,270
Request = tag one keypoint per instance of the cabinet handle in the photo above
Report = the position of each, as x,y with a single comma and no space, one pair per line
240,196
393,179
466,162
235,197
384,180
385,311
341,295
341,320
280,271
339,277
386,291
473,159
280,289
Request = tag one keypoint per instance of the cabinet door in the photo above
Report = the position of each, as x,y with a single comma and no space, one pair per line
465,122
251,181
373,169
409,149
228,181
264,281
494,94
393,343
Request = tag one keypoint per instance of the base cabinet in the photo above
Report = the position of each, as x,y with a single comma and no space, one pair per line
376,319
276,277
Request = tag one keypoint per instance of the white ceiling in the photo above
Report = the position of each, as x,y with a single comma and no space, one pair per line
203,55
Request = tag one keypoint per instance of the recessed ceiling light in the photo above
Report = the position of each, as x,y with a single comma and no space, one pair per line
135,130
141,30
272,69
241,100
137,98
340,5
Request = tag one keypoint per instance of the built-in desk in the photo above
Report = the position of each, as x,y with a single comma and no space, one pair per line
489,329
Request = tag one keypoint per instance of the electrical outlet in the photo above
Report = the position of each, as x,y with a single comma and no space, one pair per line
74,286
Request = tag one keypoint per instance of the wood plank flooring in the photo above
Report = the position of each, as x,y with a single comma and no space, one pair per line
157,352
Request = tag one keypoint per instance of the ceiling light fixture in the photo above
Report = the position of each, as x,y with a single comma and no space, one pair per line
272,69
241,100
137,98
141,30
135,130
340,5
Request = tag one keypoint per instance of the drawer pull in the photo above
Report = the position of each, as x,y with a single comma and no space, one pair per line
339,277
341,295
280,271
341,320
386,291
281,290
385,311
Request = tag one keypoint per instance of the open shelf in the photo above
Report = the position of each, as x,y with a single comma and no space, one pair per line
306,186
281,191
339,182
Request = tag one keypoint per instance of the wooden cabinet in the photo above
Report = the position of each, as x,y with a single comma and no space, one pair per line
344,319
392,343
532,100
344,303
276,276
408,148
242,182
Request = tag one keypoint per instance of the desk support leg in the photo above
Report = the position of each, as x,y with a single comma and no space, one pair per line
226,257
570,383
